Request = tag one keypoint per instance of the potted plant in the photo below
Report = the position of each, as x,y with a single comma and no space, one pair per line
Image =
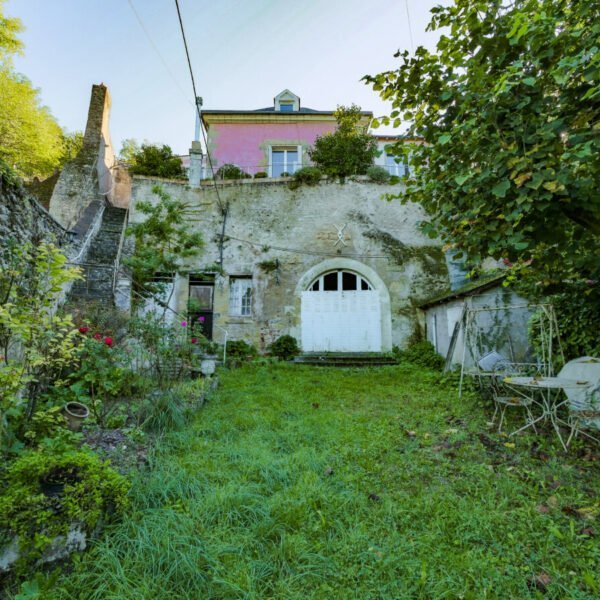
208,359
75,413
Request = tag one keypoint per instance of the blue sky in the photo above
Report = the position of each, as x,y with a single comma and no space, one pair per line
243,52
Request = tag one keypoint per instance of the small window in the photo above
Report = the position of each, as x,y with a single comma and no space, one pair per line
284,160
240,296
348,281
340,281
330,282
286,106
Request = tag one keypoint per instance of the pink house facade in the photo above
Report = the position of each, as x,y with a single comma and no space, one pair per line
273,140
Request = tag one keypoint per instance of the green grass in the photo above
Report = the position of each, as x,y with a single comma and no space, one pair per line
298,482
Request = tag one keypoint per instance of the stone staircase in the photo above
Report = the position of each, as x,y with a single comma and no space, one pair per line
345,359
98,268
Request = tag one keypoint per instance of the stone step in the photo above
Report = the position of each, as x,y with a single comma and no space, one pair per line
98,269
345,359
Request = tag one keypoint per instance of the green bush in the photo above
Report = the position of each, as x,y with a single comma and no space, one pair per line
378,174
422,354
260,175
91,491
230,171
285,347
308,175
241,350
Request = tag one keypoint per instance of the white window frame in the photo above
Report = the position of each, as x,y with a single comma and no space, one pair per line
240,296
340,278
287,168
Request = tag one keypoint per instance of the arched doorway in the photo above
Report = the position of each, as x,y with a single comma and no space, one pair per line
344,308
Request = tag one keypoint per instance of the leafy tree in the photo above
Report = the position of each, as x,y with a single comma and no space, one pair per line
30,137
129,149
9,30
349,150
163,241
72,143
508,108
151,159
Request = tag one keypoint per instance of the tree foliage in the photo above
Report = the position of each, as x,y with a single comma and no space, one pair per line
30,138
163,241
9,30
349,150
508,108
152,160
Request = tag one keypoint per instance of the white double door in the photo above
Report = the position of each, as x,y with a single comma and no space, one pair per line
341,321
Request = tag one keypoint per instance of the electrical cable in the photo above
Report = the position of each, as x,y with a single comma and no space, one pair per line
412,44
155,47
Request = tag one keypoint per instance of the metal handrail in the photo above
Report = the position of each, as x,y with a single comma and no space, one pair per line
120,249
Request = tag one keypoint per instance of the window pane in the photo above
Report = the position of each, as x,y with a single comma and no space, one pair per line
330,282
348,281
201,297
292,161
278,162
286,107
315,286
364,285
240,297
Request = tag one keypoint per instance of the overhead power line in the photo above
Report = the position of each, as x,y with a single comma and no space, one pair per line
155,48
196,96
412,44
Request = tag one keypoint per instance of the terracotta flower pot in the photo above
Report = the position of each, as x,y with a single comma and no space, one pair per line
75,413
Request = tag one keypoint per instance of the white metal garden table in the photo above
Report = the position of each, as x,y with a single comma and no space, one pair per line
545,392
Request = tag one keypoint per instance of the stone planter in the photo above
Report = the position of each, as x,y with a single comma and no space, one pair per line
75,413
208,365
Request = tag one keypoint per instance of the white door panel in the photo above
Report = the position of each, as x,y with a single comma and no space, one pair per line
341,321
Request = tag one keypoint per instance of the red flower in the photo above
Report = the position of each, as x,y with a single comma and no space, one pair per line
97,336
84,329
194,340
108,341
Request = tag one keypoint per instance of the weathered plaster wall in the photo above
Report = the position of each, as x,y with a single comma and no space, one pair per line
247,144
268,221
87,177
503,328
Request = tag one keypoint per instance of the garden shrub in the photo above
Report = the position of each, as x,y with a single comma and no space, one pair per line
92,491
422,354
308,176
260,175
163,411
38,344
285,347
378,174
241,350
231,171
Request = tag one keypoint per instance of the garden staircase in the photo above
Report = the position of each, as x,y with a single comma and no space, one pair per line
345,359
100,263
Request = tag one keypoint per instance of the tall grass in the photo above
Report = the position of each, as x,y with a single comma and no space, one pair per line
316,483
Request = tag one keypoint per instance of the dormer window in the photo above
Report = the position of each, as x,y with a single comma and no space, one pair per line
286,101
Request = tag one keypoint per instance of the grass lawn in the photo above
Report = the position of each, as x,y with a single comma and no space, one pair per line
300,482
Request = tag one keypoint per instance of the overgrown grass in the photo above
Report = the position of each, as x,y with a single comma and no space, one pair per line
318,483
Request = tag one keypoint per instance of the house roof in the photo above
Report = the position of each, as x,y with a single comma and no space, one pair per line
271,110
472,288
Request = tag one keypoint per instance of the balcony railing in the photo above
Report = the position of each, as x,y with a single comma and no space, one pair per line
233,171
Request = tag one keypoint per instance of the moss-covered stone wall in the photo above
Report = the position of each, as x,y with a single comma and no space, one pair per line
268,222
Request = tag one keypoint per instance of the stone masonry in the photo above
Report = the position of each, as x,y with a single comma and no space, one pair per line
267,221
87,178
